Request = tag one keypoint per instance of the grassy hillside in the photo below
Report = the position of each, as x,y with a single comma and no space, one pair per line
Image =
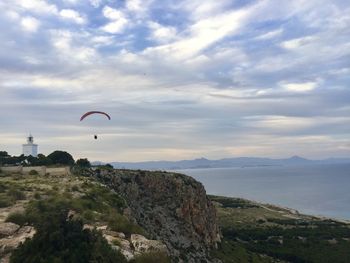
70,215
254,232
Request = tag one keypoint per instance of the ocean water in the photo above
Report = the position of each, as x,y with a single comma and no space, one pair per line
322,190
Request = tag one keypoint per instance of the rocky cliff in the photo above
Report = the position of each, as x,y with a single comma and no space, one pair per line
171,207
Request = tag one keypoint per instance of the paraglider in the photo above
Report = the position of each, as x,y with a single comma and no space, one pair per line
94,112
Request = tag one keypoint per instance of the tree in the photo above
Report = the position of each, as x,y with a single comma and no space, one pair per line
43,160
83,163
109,166
4,154
61,157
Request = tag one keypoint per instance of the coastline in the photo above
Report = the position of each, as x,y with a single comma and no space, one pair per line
286,212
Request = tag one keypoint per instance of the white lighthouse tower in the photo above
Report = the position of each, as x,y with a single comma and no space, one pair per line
30,148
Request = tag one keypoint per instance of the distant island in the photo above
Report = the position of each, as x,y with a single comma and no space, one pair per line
223,163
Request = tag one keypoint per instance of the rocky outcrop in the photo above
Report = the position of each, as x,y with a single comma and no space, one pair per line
8,229
130,246
12,236
143,245
171,207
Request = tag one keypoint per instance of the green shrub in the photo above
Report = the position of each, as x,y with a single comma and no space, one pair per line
151,257
120,223
61,240
17,176
37,195
3,188
17,218
33,172
16,194
89,216
5,202
75,188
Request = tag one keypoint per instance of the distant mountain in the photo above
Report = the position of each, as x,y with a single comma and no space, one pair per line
222,163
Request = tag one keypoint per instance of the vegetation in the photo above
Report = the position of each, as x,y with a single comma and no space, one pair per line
16,194
33,172
61,240
45,201
83,163
265,233
61,157
152,257
56,158
17,218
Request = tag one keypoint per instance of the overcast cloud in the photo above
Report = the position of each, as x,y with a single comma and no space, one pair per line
181,79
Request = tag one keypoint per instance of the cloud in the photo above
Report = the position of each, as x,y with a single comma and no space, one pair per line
202,34
38,6
95,3
221,78
63,42
30,24
72,15
298,42
117,18
71,2
300,87
134,5
270,34
162,33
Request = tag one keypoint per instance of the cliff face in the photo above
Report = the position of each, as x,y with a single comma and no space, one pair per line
171,207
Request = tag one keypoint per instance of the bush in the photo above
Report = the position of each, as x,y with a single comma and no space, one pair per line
37,195
33,172
89,216
83,163
16,194
17,218
61,240
3,188
151,257
61,157
5,202
17,176
120,223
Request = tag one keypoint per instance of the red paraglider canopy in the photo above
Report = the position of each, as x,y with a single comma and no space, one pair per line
94,112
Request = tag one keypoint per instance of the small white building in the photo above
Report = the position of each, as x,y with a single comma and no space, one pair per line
30,148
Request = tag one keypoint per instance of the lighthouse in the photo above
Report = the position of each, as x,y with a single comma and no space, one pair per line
30,148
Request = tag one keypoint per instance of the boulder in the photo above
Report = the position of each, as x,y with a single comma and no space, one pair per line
10,243
144,245
7,229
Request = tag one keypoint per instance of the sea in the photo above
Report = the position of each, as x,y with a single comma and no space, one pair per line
320,190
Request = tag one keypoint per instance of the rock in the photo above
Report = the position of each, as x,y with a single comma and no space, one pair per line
123,243
5,258
126,253
26,231
144,245
172,208
7,229
87,226
10,243
114,234
102,227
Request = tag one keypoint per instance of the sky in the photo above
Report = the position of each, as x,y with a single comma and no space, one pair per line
180,79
